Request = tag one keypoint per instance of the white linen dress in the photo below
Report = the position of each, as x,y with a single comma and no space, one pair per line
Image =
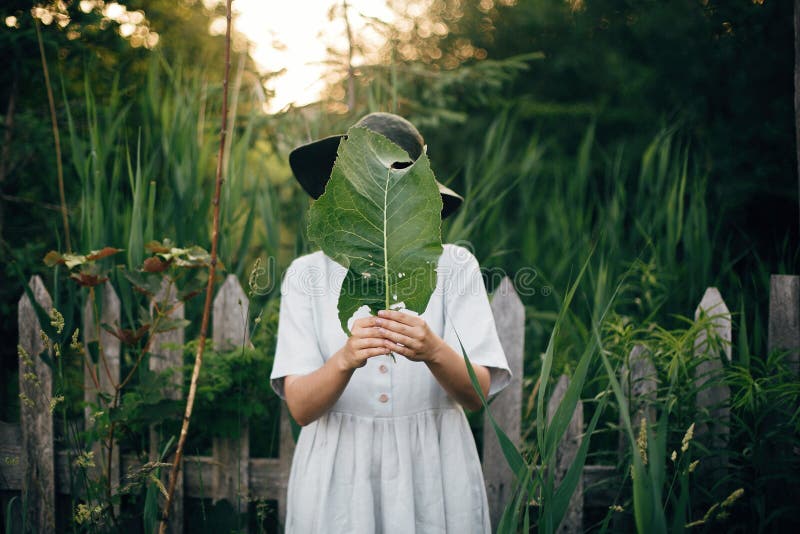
395,453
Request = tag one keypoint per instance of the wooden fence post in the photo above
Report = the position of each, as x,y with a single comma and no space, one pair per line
784,316
509,317
166,353
105,370
285,454
565,455
639,383
36,417
713,393
230,479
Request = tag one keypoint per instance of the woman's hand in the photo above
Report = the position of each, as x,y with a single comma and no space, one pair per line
365,341
408,335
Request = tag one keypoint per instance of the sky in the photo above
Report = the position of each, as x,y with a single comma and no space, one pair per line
302,32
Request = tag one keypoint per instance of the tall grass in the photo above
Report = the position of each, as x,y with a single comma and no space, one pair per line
658,247
144,162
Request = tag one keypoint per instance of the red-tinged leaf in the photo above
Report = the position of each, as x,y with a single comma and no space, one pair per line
142,291
53,258
158,248
146,284
126,335
102,253
154,264
88,279
168,323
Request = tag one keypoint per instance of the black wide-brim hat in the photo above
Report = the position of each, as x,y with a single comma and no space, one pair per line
312,163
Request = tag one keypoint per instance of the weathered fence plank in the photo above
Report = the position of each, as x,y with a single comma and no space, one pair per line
166,350
166,353
101,376
639,383
230,477
565,455
36,417
784,317
713,393
229,326
285,454
12,471
509,317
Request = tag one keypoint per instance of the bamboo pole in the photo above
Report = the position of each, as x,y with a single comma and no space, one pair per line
198,361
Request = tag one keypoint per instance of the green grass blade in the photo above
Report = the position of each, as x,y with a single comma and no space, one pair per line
510,451
547,364
563,494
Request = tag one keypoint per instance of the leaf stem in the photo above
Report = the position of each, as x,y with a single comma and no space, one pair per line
385,241
198,362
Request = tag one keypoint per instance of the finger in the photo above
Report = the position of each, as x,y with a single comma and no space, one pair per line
400,338
401,317
370,331
368,342
373,351
400,349
364,322
394,326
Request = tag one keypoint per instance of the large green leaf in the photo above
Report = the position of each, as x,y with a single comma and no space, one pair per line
380,218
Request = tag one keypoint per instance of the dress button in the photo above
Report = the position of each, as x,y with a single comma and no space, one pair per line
383,369
384,397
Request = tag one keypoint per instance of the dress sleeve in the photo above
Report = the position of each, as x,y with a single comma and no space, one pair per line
467,312
297,351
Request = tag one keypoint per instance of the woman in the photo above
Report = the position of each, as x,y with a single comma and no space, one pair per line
385,445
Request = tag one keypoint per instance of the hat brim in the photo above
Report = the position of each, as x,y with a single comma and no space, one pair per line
312,165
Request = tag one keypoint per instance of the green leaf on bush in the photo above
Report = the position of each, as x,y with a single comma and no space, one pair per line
166,324
380,217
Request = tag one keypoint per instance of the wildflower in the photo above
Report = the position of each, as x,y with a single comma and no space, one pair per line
82,514
710,512
23,355
85,459
616,508
687,438
641,441
45,339
252,282
54,402
157,481
31,377
26,400
674,456
56,320
263,508
75,343
732,498
693,465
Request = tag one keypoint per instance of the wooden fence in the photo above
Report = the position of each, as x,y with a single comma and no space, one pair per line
30,462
